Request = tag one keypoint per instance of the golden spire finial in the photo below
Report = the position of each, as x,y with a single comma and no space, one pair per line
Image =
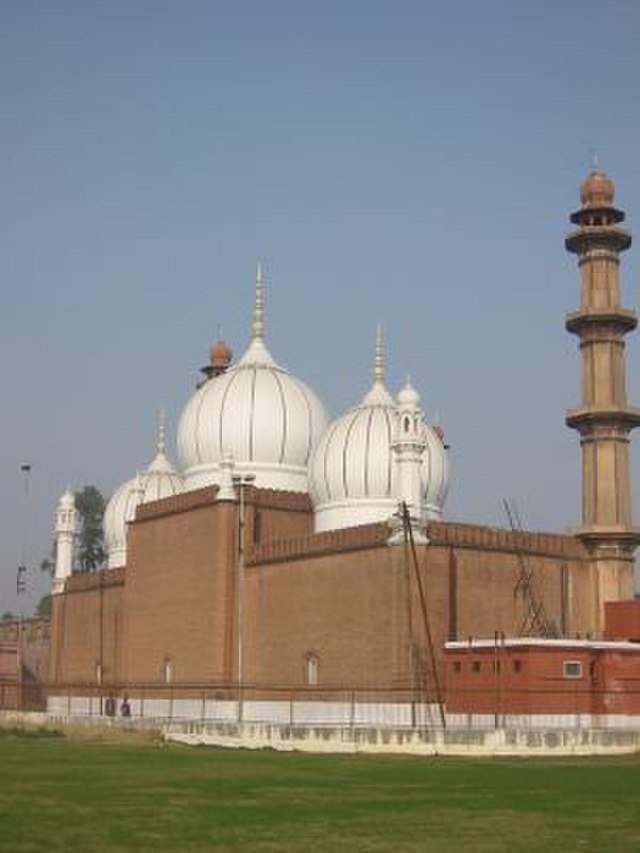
160,442
258,308
378,367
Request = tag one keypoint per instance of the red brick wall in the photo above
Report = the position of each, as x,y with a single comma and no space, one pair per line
486,680
344,596
619,676
87,629
353,609
622,620
181,600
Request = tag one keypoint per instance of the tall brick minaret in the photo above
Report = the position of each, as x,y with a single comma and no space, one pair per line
604,419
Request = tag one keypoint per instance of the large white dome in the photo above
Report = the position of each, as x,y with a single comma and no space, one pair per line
352,474
160,480
257,412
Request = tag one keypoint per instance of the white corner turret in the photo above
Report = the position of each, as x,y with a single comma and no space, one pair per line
66,525
226,492
409,444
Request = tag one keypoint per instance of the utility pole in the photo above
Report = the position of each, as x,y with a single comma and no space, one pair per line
21,578
241,481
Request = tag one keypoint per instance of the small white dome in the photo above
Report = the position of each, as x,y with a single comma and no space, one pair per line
67,500
160,480
352,475
119,512
266,419
408,396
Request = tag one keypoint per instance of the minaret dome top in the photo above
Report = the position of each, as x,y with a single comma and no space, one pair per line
220,356
597,190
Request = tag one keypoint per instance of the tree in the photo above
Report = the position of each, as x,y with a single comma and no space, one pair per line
90,506
7,616
44,606
48,565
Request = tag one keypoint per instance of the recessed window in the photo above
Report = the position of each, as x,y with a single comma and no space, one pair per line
312,670
475,666
457,666
572,669
167,671
257,526
517,665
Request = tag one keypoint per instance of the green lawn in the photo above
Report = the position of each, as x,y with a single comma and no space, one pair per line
74,795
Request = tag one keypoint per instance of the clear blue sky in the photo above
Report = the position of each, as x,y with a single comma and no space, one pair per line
408,162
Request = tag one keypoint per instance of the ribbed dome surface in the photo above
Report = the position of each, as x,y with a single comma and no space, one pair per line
257,412
352,476
160,480
354,460
268,420
435,473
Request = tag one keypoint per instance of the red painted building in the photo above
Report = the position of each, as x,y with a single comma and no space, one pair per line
531,676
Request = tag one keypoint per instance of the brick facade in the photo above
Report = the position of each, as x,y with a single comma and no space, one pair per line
340,608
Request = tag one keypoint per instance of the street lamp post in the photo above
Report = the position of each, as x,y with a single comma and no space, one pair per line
241,481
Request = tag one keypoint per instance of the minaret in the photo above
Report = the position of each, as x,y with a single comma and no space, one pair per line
604,419
66,523
408,449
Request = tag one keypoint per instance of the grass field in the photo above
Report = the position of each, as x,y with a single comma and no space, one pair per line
75,795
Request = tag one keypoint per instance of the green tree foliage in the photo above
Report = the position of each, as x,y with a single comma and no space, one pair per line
7,616
44,606
90,505
48,565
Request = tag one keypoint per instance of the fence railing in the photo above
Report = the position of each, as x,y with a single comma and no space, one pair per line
554,705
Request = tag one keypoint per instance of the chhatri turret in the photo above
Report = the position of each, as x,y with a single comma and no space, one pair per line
604,419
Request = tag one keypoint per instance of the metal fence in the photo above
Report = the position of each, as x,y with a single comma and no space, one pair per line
22,696
556,706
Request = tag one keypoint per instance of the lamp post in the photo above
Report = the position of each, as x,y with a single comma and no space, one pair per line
21,582
241,481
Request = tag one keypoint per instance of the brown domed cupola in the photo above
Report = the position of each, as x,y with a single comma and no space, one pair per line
220,355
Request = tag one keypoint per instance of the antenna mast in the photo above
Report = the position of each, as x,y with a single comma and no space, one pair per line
535,622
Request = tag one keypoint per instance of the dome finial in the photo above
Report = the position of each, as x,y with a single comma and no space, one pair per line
378,395
258,308
595,165
160,442
378,367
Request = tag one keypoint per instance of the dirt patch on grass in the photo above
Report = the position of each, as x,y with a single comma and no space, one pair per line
24,727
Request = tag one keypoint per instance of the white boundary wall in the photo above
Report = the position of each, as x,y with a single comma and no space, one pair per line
460,742
375,715
423,741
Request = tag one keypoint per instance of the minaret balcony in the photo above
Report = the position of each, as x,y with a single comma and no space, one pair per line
620,319
618,419
597,236
609,536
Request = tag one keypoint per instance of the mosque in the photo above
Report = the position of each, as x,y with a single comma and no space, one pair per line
290,553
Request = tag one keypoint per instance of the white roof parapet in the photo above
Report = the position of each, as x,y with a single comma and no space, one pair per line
541,642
